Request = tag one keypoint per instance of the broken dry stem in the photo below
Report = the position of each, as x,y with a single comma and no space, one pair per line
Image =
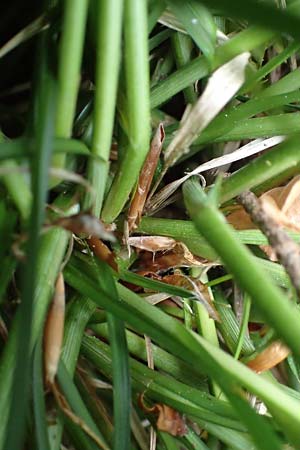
287,251
137,205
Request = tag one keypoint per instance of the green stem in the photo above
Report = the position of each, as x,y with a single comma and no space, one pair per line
137,89
268,298
79,312
44,129
182,47
173,336
52,248
244,326
285,156
70,54
108,54
16,184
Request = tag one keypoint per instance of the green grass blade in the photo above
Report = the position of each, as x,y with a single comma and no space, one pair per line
174,337
70,54
52,248
270,17
238,259
39,407
73,398
284,157
44,129
198,22
163,360
121,376
138,107
107,31
79,312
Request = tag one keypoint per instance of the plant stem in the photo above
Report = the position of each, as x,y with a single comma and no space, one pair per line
285,156
268,298
108,54
137,89
70,54
286,249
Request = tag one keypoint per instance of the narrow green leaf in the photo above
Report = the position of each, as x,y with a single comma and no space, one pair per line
199,24
39,407
75,401
121,376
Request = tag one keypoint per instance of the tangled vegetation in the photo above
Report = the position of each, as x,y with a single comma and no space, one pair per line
150,219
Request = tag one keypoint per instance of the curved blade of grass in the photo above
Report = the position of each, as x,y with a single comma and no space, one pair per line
199,24
51,252
285,156
269,66
39,407
79,312
43,128
244,326
120,369
269,300
166,389
229,326
258,127
73,398
174,337
162,388
107,31
138,107
230,118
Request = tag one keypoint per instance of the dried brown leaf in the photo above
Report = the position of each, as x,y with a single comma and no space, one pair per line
137,204
199,289
282,204
85,225
152,243
270,357
176,254
169,420
102,252
54,330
